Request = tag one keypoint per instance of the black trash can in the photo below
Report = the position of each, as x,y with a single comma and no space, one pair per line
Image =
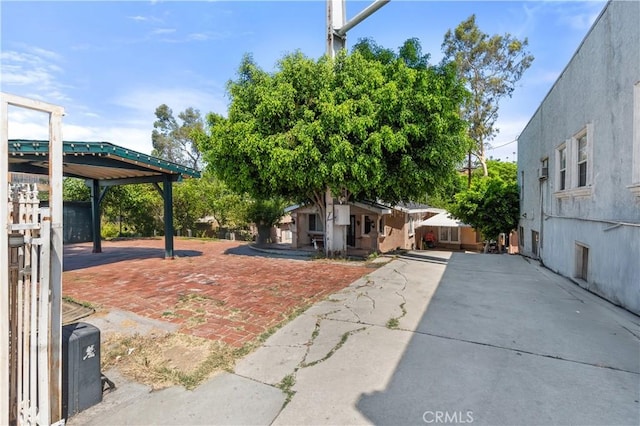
81,379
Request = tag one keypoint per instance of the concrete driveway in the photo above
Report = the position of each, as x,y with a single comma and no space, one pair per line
429,338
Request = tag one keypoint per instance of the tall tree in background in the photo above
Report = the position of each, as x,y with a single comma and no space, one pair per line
178,142
359,126
490,67
492,203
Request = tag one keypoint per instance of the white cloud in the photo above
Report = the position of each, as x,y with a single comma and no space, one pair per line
144,101
138,18
44,53
133,132
163,31
25,124
578,16
33,70
199,36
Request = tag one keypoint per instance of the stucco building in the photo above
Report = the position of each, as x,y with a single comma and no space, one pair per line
579,164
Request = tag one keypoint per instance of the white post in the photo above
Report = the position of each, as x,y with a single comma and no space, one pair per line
55,198
336,18
337,27
4,257
56,253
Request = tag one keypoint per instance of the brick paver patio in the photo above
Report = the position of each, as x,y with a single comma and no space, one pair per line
212,289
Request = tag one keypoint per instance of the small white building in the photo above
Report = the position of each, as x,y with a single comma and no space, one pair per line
579,164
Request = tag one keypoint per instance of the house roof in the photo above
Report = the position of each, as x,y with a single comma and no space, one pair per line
416,208
443,220
381,208
95,160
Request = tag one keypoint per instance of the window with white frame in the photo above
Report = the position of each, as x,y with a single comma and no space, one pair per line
381,227
574,164
411,226
582,159
367,225
315,223
449,234
561,154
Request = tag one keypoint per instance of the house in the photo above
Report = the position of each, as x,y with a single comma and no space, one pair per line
375,227
579,164
449,232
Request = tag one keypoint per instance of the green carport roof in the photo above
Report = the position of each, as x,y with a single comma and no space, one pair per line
103,161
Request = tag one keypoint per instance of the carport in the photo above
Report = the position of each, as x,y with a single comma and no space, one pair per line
104,165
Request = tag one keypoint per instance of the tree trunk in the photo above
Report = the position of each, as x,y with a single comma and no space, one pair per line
483,159
264,234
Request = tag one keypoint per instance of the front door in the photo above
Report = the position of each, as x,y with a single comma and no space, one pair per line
351,231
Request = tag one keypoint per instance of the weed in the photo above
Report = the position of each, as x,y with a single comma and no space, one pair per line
393,323
286,386
88,305
333,350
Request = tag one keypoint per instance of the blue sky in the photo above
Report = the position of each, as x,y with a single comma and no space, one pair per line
110,64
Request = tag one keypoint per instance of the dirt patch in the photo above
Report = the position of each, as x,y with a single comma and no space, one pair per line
170,359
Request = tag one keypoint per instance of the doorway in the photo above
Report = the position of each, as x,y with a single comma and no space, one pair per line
351,231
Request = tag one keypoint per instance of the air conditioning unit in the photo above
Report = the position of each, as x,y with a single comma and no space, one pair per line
543,173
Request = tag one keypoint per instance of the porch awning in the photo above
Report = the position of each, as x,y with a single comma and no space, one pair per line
443,220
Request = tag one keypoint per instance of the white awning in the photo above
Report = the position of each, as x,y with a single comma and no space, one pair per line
443,220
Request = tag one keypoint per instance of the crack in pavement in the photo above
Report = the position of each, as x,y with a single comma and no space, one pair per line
521,351
406,280
365,295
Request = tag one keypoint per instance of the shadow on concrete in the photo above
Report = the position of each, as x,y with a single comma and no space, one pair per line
81,257
503,349
423,257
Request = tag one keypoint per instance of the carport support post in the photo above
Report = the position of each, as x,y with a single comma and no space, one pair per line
168,216
95,215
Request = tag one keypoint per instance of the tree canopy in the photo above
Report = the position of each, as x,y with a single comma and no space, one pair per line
363,125
491,204
178,142
490,67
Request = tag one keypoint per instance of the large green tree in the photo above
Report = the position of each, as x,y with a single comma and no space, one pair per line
356,125
491,204
204,196
490,67
176,140
134,209
265,214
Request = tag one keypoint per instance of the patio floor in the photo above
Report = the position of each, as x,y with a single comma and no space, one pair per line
221,290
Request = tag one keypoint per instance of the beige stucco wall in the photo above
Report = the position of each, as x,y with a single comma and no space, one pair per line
395,232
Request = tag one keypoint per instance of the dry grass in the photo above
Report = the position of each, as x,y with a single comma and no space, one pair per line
172,359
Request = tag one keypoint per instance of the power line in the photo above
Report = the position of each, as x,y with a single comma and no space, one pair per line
500,146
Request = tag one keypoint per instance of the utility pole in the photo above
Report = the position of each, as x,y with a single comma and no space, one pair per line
337,27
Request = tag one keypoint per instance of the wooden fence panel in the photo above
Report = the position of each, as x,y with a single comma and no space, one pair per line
30,308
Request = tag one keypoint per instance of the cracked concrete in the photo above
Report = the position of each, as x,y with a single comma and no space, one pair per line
490,339
490,335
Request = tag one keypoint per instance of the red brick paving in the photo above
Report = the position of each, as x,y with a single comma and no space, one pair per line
208,290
